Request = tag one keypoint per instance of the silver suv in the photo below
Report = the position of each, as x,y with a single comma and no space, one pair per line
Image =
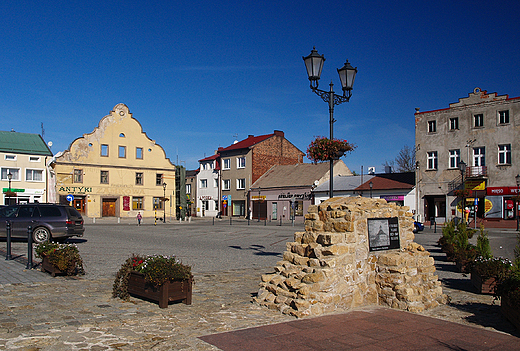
48,221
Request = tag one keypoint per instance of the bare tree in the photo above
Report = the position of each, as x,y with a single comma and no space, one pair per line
405,160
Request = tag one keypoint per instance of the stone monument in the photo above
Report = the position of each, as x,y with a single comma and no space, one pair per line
355,251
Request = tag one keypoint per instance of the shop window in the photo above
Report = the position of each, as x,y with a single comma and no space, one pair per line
137,203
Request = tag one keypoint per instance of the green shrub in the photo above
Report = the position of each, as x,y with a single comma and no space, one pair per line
483,247
64,257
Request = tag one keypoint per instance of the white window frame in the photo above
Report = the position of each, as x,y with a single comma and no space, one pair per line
203,183
454,158
35,158
503,117
478,120
31,171
479,156
432,159
14,171
454,123
9,157
504,154
188,188
226,164
226,184
241,184
432,126
241,162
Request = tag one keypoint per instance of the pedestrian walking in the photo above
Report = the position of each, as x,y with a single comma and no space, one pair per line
139,217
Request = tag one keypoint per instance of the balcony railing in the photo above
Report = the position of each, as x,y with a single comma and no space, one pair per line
476,172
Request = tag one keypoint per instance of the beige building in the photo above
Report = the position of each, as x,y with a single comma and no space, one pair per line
116,171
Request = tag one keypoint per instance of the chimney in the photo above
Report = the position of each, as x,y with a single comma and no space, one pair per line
250,136
279,133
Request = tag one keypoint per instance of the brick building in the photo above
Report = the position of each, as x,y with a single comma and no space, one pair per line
242,163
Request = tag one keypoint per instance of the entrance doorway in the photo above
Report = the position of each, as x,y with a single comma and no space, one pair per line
79,204
109,208
260,209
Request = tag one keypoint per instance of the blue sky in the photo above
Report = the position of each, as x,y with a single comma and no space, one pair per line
199,74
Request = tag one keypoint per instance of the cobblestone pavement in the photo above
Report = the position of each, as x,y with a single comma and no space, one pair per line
66,313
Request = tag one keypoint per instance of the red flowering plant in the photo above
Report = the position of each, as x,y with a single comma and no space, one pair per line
462,193
157,270
324,149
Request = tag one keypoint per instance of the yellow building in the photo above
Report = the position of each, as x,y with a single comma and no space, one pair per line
116,171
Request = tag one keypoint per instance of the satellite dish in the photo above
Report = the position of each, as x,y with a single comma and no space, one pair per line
49,143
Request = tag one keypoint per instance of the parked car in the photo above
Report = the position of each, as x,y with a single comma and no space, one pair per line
48,221
418,227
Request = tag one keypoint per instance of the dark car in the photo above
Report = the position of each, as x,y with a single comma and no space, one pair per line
418,227
48,221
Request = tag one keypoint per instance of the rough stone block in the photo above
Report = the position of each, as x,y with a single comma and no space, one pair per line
301,261
309,237
313,277
330,238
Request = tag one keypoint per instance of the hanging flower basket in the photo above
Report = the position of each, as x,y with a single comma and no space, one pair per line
462,193
324,149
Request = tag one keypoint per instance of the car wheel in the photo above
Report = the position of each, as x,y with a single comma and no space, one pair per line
415,229
41,235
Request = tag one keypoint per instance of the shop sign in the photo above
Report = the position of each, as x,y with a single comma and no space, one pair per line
475,185
206,197
501,191
289,196
392,197
75,189
258,197
126,203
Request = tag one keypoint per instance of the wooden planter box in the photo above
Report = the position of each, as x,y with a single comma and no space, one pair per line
46,266
483,286
512,313
168,292
463,266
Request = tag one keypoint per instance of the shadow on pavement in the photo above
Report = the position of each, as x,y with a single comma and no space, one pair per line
259,250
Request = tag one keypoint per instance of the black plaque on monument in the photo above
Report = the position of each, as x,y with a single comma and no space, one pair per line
383,233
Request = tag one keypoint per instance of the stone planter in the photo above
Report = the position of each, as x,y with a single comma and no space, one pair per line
168,292
46,266
483,285
512,313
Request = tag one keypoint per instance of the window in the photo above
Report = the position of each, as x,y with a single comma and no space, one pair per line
203,183
139,153
158,179
78,176
478,120
121,135
34,159
15,173
34,175
454,123
137,203
503,117
104,177
432,160
432,126
122,151
188,188
454,158
226,163
204,166
104,150
241,162
241,183
138,178
479,156
157,203
10,157
504,154
215,183
226,184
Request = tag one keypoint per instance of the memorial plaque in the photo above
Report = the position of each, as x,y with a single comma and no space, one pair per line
383,233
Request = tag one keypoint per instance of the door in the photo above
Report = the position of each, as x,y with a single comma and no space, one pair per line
109,208
79,204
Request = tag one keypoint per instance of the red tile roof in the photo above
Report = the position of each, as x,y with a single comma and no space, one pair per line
381,183
250,141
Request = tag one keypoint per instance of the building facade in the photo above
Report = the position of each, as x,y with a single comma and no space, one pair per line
116,171
23,160
284,192
191,192
245,161
467,157
208,186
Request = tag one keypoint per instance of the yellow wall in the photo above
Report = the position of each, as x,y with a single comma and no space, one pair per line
118,128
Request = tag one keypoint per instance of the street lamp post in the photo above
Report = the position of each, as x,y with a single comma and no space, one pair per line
462,169
9,178
347,74
164,202
517,178
371,185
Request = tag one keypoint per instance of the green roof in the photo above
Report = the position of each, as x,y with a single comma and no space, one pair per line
23,143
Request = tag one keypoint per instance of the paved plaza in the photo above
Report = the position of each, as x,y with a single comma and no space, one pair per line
38,312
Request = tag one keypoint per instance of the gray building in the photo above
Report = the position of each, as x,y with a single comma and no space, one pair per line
467,154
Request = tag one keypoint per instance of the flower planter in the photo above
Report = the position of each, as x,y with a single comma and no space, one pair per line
511,312
463,266
483,285
168,292
46,266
